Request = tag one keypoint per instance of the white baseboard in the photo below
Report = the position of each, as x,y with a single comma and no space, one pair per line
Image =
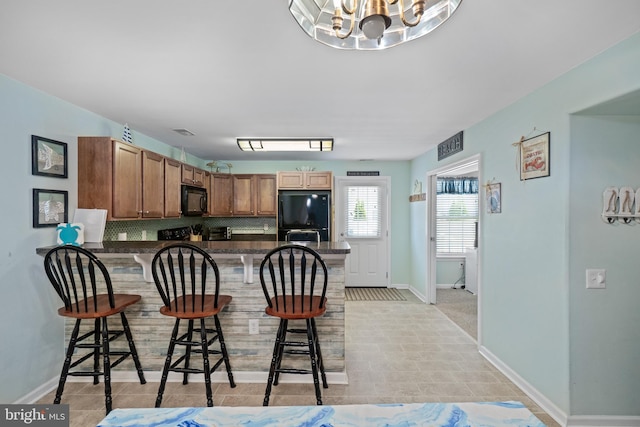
38,393
541,400
602,421
418,295
154,377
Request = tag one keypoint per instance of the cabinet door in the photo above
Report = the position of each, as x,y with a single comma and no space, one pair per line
187,174
152,185
266,195
198,177
243,191
172,180
221,196
290,180
127,180
318,180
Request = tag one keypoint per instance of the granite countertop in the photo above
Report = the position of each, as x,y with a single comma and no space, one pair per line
214,247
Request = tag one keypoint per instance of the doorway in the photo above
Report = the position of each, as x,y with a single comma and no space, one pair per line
362,220
453,214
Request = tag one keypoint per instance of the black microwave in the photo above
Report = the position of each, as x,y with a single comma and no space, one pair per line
194,201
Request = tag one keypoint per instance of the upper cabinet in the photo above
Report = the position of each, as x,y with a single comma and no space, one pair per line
152,185
192,175
107,167
254,195
296,180
172,180
266,195
220,194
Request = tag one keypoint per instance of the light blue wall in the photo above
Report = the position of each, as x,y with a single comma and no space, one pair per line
530,269
605,331
31,334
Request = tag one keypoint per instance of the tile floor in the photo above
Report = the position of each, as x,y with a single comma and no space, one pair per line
432,360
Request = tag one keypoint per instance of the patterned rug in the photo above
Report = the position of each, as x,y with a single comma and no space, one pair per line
373,294
495,414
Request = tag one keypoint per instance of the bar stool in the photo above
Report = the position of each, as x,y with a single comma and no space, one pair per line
288,275
180,272
83,283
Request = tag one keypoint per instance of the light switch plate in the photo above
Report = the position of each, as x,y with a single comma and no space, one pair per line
596,278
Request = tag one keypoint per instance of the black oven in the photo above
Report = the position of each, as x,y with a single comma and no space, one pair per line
194,201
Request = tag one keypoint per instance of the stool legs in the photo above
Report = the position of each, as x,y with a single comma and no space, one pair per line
67,362
132,347
315,356
314,362
167,363
202,346
107,365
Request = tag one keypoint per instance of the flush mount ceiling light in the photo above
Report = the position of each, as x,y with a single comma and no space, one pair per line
369,24
285,144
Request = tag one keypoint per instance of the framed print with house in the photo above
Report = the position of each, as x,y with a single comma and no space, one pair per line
534,157
49,207
48,157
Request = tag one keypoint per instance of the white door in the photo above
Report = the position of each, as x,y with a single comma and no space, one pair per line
362,218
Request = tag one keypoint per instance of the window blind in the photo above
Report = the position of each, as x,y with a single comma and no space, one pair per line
363,207
456,217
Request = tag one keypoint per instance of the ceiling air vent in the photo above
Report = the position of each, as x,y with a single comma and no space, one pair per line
184,132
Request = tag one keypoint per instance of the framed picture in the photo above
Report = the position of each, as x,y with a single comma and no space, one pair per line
49,207
493,195
534,157
48,157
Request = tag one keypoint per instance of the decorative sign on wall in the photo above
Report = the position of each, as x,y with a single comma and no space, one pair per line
363,173
534,157
450,146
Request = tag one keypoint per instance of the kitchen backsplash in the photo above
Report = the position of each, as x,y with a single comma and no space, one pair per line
239,225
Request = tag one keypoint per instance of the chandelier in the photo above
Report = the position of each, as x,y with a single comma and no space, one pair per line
370,24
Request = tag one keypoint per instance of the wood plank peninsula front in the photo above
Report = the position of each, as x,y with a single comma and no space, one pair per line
128,263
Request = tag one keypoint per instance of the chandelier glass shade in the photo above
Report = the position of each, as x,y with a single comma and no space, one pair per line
370,24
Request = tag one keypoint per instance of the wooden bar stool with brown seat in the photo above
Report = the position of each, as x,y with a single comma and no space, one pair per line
294,281
84,285
181,272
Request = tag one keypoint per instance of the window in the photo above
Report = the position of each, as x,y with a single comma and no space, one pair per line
364,204
456,215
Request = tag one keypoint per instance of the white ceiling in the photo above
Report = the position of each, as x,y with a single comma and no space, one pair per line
227,69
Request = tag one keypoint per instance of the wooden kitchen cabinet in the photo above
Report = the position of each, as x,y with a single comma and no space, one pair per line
243,195
172,182
298,180
108,167
152,185
221,194
254,195
266,195
191,175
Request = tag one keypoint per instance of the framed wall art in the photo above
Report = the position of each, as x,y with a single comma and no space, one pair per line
534,157
48,157
493,196
49,207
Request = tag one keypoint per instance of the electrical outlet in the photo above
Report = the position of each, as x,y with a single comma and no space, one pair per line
596,279
254,326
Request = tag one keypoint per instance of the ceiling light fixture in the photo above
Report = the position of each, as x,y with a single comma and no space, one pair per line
370,24
285,144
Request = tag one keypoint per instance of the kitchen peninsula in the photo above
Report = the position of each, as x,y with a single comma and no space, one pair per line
128,263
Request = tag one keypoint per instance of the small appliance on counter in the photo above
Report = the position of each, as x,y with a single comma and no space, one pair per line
217,233
180,233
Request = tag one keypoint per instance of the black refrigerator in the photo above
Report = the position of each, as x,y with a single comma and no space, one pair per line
304,215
